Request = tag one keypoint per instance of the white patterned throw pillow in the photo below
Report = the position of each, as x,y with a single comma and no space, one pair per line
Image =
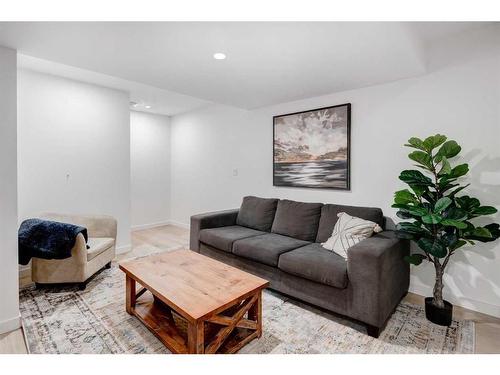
348,231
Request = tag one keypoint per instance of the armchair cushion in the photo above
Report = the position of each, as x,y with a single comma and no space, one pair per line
98,246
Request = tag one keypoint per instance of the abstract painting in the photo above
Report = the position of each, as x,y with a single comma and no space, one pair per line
312,148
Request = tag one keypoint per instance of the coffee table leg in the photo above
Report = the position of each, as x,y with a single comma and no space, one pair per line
130,296
255,313
196,340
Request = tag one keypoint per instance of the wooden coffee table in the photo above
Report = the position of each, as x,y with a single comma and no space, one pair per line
196,304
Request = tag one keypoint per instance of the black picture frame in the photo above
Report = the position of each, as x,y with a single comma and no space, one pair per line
278,182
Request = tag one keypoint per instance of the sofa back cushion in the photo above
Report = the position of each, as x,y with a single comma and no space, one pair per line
329,218
257,213
297,219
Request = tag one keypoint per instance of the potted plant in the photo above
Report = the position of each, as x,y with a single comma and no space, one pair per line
440,217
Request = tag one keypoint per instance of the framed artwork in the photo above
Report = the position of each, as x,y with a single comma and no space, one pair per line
312,148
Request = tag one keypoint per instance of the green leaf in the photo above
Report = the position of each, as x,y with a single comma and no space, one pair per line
455,213
457,190
416,143
411,228
430,143
480,232
458,244
434,247
415,178
415,259
422,158
494,229
414,210
411,231
445,180
442,204
445,167
449,239
469,229
459,170
419,190
431,219
404,197
448,150
484,210
448,187
454,223
467,203
431,198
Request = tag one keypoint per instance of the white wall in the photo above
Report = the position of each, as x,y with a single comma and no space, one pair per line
73,149
9,306
150,169
459,98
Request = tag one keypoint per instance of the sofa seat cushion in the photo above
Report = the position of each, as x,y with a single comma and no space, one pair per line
313,262
98,246
267,248
257,213
222,238
297,219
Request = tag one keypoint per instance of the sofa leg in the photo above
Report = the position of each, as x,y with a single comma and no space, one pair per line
82,286
108,266
373,331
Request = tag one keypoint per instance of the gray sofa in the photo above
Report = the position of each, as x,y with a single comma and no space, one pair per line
280,240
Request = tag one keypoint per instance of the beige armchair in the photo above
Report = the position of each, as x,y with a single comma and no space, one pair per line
83,262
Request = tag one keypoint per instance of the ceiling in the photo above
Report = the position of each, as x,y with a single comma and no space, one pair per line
158,100
171,65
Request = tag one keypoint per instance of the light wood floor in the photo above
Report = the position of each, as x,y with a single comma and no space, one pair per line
168,237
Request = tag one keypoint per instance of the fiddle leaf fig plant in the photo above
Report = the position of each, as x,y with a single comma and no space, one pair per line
440,218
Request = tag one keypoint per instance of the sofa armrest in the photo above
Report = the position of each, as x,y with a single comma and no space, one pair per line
209,220
379,275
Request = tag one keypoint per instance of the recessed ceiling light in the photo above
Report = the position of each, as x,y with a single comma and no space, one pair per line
147,106
219,56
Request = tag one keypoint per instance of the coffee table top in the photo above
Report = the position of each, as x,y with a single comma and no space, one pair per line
192,284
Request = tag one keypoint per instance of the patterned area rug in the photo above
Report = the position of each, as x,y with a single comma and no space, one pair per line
65,320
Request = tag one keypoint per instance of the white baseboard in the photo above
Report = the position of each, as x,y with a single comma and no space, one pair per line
150,225
159,224
462,301
123,249
179,224
10,324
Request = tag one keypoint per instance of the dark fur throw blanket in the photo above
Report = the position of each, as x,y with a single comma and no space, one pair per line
47,239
